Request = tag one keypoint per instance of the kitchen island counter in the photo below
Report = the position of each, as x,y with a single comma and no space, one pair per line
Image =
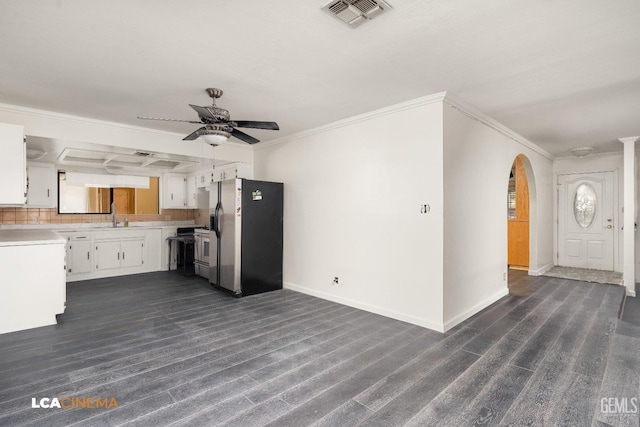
29,237
33,289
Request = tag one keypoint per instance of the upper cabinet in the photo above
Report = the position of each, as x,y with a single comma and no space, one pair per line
41,183
192,192
13,182
175,191
204,178
232,171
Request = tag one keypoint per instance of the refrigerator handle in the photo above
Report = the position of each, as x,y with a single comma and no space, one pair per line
220,219
216,220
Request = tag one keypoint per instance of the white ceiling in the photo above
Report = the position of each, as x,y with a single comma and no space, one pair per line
564,74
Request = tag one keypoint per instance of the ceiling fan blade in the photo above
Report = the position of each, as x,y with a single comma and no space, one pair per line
193,135
202,111
243,136
257,125
168,120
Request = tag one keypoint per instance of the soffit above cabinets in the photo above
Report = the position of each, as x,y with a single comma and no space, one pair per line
122,159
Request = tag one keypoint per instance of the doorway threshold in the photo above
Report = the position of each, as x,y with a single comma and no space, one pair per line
586,275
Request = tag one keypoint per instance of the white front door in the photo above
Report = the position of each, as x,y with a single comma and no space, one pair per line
585,220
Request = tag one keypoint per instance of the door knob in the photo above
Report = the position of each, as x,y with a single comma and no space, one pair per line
609,226
609,220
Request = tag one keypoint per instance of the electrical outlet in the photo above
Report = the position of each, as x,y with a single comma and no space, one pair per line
335,281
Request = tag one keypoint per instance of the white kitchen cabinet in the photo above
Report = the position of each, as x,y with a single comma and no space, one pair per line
79,254
204,178
119,254
192,192
175,191
40,185
107,255
13,173
132,253
35,289
232,171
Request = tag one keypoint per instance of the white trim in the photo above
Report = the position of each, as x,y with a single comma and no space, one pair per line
590,156
425,323
407,105
61,116
479,116
629,139
540,271
475,309
631,292
450,99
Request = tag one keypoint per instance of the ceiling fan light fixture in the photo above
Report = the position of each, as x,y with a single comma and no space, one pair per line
581,151
214,136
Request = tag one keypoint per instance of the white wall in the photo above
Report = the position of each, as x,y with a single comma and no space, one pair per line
477,161
597,163
353,192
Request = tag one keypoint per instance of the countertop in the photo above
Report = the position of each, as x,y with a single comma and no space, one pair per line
29,237
102,226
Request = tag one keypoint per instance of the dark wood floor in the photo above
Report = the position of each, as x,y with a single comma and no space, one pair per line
171,350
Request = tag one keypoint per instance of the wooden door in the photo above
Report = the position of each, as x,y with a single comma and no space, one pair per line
518,224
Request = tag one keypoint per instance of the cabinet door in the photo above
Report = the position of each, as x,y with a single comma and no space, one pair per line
131,253
13,173
175,191
192,192
202,179
40,179
107,255
79,256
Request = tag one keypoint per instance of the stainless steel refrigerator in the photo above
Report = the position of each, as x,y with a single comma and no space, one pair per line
246,236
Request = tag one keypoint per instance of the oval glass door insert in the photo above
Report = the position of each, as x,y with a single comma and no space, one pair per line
584,205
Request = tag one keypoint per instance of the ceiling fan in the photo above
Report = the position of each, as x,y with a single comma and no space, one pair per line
218,126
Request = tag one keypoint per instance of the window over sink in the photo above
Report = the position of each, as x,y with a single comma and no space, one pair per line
85,197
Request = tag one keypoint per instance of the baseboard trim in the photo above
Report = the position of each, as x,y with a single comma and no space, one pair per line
419,321
631,293
540,271
475,309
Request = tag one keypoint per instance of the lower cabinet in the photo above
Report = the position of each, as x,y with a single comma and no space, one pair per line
119,254
79,254
100,253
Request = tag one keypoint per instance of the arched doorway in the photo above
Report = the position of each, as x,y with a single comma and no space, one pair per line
518,216
518,225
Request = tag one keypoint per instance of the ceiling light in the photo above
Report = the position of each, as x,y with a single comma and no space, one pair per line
581,151
214,135
35,153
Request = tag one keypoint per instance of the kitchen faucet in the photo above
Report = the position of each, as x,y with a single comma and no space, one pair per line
113,214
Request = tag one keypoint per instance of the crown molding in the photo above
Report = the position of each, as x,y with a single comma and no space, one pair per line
407,105
479,116
445,97
79,119
629,139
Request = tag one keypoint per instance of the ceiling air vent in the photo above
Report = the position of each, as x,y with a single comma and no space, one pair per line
355,12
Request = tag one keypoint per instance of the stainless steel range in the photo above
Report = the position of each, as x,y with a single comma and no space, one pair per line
201,252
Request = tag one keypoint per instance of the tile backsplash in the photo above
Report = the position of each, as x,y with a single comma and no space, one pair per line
50,216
